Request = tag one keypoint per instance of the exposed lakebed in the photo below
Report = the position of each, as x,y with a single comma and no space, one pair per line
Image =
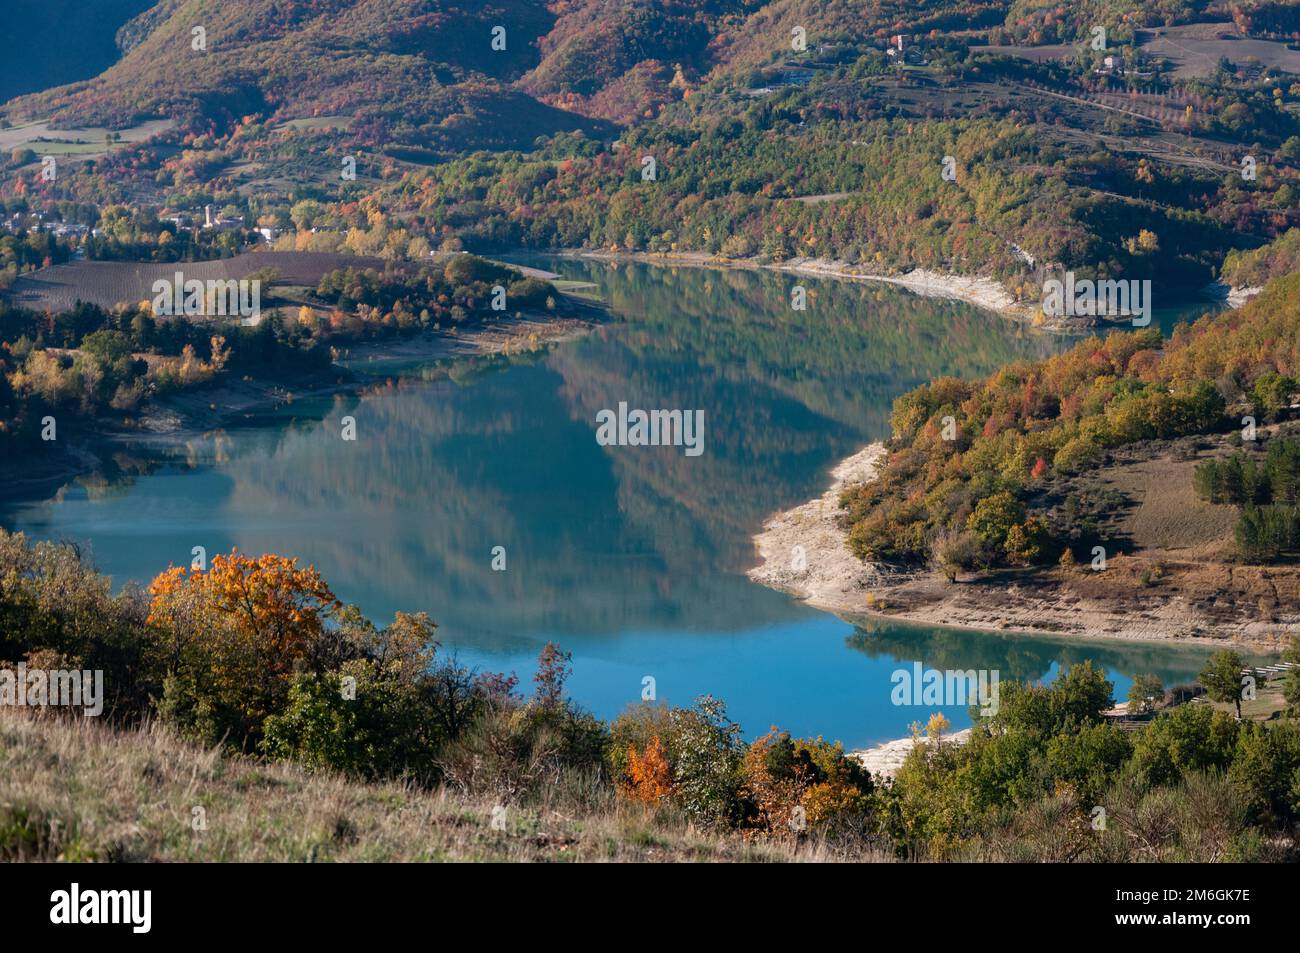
631,557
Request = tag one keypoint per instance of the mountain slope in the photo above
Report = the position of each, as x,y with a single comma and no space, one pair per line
62,41
430,59
619,58
422,67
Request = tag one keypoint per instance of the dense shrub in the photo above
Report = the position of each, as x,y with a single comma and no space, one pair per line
1188,738
807,786
516,750
258,654
703,752
52,600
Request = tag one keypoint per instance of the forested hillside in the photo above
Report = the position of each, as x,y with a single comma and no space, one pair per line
944,135
972,464
422,70
941,134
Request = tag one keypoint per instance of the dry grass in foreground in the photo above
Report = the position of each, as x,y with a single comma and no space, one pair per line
78,790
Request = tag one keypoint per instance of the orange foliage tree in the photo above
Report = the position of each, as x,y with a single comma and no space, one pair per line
649,776
775,782
235,634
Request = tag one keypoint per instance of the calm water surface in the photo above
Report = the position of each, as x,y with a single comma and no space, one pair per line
632,558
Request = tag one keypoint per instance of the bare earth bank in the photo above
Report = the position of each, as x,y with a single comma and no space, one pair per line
804,551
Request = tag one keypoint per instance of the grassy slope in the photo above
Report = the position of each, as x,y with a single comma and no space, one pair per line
80,791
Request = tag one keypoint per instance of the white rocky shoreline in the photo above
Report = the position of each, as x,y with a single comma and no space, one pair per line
884,760
802,551
982,291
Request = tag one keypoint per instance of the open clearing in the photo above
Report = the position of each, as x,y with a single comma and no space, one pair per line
1166,515
40,138
1196,48
109,283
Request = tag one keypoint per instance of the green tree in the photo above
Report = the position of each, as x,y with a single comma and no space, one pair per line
1266,768
1291,685
1184,739
1263,533
708,768
1222,678
993,518
1081,695
1089,759
1272,392
1145,693
466,269
1208,482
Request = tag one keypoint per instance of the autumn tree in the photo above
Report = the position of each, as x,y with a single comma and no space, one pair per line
220,352
234,634
649,775
955,552
553,668
776,780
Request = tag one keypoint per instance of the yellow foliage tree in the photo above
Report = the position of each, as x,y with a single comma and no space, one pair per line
236,631
220,353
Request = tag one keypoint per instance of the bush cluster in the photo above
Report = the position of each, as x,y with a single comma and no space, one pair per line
258,655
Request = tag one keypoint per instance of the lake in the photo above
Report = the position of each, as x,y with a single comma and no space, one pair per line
630,557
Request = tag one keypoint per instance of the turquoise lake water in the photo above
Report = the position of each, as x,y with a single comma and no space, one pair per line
632,558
